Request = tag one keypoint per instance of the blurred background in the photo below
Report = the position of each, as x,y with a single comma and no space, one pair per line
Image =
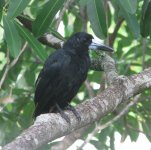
122,24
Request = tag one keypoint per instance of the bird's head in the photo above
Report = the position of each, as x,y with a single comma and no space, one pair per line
82,42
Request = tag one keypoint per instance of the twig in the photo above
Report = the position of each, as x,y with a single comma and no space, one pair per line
114,34
66,5
46,39
10,65
102,83
138,130
84,18
89,88
6,70
144,47
4,76
132,60
16,59
101,127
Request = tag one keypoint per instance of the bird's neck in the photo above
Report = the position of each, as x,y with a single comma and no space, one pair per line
74,48
77,52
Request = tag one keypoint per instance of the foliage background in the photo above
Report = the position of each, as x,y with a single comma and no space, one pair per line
122,24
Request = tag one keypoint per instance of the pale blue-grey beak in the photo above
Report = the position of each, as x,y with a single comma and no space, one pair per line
98,46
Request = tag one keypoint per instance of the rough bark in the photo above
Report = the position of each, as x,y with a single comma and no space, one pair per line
70,139
51,126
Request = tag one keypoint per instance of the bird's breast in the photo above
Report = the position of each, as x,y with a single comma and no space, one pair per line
77,69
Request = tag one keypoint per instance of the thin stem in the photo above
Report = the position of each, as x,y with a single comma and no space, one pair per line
10,65
114,34
66,6
144,47
89,88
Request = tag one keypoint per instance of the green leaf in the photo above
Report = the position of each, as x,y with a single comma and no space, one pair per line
1,4
134,123
145,23
30,78
46,16
1,8
37,47
12,37
1,14
26,116
131,22
147,129
150,31
96,15
130,6
16,7
98,144
83,3
57,34
104,134
77,27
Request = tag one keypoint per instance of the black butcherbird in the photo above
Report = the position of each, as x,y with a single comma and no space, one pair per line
63,73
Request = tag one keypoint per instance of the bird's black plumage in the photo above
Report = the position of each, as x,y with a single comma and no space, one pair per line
62,75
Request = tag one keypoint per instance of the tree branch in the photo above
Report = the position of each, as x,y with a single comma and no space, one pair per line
89,88
96,65
70,139
47,39
99,128
48,127
114,34
144,48
65,7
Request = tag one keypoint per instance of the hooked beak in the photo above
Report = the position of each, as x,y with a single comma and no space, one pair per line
98,46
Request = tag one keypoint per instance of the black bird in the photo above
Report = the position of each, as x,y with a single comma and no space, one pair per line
63,73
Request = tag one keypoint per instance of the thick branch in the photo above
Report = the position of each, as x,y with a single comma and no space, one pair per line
70,139
100,127
96,65
51,126
47,39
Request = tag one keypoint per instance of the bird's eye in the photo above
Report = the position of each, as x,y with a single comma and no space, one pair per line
84,40
78,39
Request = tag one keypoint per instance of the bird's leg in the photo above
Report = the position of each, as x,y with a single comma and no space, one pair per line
71,108
62,113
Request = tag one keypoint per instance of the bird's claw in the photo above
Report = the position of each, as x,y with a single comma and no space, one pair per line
62,113
71,108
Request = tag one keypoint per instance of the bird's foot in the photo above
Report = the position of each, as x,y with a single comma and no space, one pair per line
71,108
63,115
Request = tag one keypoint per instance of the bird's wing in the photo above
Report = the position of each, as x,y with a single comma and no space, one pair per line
49,74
